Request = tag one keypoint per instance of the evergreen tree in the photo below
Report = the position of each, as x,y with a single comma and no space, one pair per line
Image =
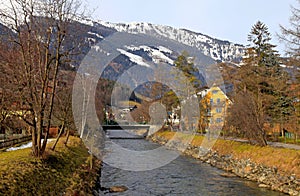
261,72
186,65
264,51
261,82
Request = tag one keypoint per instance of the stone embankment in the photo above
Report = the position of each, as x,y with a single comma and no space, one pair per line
266,177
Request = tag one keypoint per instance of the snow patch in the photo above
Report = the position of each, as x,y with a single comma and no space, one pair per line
159,56
156,54
164,49
93,40
99,49
96,34
134,58
28,145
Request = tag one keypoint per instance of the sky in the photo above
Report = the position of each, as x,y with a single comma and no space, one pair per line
223,19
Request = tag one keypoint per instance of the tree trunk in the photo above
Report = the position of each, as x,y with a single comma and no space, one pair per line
263,138
61,130
264,141
91,161
34,142
67,137
39,137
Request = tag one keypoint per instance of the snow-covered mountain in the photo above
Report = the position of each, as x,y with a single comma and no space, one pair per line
171,42
163,44
219,50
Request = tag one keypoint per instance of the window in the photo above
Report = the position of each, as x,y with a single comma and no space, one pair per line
208,112
215,91
218,110
211,101
218,100
219,120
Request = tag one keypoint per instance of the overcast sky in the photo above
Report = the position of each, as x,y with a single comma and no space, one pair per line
224,19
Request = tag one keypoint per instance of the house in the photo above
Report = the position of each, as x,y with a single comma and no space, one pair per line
216,103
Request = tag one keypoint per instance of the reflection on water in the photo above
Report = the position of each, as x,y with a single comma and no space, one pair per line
183,176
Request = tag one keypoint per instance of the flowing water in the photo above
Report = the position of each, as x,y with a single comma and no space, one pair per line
182,176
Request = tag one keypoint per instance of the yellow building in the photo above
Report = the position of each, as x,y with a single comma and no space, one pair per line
215,102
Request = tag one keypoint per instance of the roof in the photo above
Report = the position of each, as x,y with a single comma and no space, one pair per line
204,92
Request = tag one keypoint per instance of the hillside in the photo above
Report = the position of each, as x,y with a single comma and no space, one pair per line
133,53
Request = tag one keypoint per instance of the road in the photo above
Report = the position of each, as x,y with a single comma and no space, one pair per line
284,145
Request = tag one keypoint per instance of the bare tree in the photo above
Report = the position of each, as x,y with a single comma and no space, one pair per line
6,96
40,31
291,37
251,118
62,114
10,111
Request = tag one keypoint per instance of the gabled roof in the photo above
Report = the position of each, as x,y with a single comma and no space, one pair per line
204,92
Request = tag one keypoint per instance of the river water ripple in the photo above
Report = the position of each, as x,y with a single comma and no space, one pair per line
183,176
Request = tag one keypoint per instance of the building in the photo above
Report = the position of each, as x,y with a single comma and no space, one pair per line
215,102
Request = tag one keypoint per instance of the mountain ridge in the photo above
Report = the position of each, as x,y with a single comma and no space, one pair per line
219,50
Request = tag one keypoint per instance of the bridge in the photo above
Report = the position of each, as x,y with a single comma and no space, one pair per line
126,131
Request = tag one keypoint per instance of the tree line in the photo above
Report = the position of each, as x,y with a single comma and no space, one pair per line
33,56
265,94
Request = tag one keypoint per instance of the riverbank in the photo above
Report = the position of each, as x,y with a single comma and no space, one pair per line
65,171
273,168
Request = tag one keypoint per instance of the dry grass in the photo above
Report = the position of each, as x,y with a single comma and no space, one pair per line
286,160
57,173
129,103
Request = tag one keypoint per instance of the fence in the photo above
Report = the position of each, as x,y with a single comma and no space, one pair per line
12,142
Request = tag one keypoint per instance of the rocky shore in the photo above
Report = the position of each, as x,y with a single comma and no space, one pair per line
266,177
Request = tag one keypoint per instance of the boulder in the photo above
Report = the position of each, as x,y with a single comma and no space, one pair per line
228,175
263,186
117,189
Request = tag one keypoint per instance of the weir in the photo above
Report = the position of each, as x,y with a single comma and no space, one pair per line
126,131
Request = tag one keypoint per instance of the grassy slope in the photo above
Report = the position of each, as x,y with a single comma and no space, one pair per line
63,171
286,160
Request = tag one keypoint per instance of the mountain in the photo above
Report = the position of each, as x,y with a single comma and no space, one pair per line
5,33
160,44
95,31
219,50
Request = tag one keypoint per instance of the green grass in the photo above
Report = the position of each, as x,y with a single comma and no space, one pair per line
63,171
289,140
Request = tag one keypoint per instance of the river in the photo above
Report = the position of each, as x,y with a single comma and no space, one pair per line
182,176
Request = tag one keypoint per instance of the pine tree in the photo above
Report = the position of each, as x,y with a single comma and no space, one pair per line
264,51
261,82
186,65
